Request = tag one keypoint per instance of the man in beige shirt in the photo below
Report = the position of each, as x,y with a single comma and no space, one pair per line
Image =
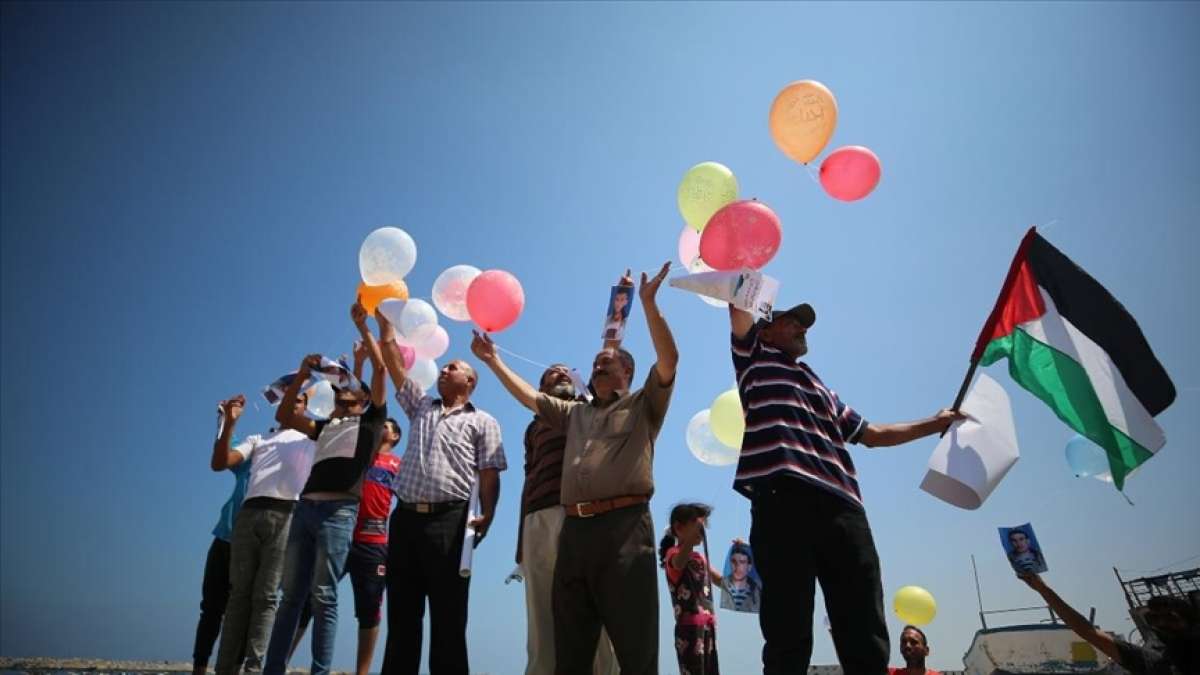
606,573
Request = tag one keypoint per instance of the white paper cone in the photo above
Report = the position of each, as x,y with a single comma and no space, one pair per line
976,453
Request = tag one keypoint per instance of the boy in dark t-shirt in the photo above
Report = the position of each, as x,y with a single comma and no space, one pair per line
325,518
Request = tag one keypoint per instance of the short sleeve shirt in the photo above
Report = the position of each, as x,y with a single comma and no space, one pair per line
446,448
691,596
376,502
610,445
795,425
345,449
279,463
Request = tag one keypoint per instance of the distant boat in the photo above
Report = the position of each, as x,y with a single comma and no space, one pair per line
1044,649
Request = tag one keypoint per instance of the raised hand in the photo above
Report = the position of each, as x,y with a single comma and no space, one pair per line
482,347
232,408
626,279
308,364
358,313
649,287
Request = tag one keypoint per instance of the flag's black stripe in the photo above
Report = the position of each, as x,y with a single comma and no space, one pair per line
1095,312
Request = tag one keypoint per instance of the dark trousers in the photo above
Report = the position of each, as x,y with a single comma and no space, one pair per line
214,596
607,576
802,534
424,550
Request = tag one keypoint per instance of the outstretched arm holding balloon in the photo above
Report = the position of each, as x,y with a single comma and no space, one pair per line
660,333
286,414
358,314
485,350
392,359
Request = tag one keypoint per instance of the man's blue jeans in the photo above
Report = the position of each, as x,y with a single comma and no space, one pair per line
318,543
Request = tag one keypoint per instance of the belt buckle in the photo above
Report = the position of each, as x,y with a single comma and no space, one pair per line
424,508
579,510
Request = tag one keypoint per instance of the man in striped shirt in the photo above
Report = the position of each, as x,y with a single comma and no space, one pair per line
803,488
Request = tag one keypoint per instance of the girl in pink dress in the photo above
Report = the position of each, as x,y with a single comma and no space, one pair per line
688,578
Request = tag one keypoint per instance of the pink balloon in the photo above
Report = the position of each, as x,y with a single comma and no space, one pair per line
689,245
742,234
408,353
495,300
850,173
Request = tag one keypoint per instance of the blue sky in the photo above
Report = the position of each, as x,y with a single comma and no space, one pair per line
185,187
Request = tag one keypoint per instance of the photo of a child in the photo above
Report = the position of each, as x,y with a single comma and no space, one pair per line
620,303
1021,545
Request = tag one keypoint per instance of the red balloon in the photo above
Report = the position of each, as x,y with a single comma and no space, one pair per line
850,173
495,300
741,234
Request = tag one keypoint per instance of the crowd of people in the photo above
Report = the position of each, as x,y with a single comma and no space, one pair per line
313,501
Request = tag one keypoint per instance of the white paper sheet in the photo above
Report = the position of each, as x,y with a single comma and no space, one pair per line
976,453
468,548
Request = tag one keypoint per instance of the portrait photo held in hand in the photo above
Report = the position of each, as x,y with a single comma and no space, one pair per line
620,304
1024,553
743,588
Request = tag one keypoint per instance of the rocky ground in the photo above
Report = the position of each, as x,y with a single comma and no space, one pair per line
95,666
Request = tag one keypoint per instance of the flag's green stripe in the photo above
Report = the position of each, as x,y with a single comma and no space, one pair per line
1063,384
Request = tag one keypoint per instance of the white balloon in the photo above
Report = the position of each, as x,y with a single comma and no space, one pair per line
705,446
387,255
320,400
429,341
416,313
424,372
689,246
392,309
696,267
450,291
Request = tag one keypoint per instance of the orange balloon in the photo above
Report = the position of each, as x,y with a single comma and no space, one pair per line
802,120
373,295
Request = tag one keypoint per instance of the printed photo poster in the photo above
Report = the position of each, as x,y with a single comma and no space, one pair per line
742,586
620,303
1021,546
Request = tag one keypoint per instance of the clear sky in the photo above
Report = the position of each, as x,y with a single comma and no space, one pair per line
185,188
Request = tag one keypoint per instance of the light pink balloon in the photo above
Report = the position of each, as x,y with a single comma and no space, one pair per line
689,245
430,341
850,173
495,300
746,233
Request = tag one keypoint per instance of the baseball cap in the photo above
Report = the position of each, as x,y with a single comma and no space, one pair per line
804,313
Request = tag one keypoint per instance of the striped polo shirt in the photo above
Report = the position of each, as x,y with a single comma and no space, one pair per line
795,426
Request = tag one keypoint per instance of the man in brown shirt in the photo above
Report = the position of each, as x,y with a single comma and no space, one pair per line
538,531
606,576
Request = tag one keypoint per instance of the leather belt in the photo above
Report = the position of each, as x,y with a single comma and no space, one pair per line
435,507
595,508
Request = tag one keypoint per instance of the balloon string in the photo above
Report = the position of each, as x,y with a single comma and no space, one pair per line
518,356
812,173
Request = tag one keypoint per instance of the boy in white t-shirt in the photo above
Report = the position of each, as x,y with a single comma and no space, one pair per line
281,462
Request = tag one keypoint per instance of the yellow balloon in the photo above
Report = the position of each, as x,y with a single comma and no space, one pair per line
726,420
705,188
802,120
914,605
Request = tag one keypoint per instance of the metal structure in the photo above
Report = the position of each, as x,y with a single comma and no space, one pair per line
1184,584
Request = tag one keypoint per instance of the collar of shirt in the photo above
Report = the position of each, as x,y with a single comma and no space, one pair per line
465,407
619,394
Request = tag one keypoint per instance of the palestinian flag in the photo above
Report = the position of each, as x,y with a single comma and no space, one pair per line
1073,345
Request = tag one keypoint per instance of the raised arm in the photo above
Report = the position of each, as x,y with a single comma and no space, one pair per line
286,414
740,321
485,350
1082,627
392,358
360,355
224,457
359,315
883,435
664,344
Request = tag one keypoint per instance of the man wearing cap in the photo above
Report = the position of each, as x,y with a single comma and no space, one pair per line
605,576
802,485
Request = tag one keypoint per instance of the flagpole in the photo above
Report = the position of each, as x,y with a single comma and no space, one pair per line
992,319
